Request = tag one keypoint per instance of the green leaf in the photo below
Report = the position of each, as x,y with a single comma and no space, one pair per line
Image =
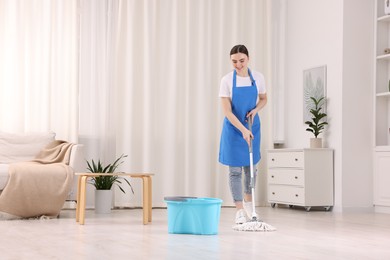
106,182
317,123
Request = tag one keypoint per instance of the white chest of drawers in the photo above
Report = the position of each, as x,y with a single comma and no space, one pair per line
300,177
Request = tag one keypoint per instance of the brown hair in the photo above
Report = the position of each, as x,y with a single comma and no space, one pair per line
239,49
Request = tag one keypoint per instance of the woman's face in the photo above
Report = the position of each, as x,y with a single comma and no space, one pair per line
240,62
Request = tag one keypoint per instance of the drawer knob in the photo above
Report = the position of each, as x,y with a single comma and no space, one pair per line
272,176
296,177
296,195
273,193
296,159
273,159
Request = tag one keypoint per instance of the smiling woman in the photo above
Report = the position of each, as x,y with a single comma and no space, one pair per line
243,95
38,69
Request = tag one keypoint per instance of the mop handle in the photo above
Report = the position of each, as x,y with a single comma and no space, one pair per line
250,129
251,153
252,182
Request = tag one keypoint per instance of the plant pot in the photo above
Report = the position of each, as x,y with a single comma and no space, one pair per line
103,201
315,142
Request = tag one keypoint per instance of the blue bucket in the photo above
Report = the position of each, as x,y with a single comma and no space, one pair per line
191,215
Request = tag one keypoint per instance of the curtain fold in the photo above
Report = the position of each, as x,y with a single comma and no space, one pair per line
98,90
38,67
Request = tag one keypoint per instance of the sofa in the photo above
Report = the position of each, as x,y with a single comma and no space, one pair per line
16,148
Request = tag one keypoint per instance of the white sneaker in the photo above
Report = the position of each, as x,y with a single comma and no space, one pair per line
241,216
248,209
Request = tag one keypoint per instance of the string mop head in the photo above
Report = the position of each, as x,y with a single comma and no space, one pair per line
254,225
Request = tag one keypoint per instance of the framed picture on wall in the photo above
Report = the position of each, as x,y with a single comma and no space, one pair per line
314,85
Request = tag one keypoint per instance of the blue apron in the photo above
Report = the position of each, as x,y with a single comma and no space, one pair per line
234,150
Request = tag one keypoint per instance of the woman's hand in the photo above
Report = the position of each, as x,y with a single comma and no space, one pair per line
247,135
251,114
259,106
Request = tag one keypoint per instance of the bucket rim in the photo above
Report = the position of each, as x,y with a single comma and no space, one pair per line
193,200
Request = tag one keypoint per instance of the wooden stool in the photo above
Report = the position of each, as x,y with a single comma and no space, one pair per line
146,193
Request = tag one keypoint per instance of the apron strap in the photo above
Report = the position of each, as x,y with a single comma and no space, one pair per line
252,79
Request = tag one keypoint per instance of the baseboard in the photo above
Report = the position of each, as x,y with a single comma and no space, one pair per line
353,209
128,205
382,209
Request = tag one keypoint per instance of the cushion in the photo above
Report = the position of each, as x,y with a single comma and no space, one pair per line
22,147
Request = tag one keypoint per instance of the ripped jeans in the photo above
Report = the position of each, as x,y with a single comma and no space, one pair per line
235,181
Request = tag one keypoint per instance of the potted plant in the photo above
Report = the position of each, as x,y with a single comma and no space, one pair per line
104,183
317,124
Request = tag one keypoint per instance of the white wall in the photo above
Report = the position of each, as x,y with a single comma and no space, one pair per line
357,112
315,36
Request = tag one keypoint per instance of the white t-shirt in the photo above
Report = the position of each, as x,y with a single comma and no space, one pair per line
226,87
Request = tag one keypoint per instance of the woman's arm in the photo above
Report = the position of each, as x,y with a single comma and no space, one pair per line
227,110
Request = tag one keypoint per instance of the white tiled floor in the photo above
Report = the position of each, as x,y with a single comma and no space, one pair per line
121,235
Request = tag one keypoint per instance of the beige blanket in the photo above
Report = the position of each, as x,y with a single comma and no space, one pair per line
39,187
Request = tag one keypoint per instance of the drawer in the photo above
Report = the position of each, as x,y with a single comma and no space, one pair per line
286,194
286,160
286,176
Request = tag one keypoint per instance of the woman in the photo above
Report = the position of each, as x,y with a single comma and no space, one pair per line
243,95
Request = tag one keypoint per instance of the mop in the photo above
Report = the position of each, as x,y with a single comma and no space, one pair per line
254,224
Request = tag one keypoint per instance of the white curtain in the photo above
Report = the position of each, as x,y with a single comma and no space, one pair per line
39,67
133,77
98,24
98,119
150,73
